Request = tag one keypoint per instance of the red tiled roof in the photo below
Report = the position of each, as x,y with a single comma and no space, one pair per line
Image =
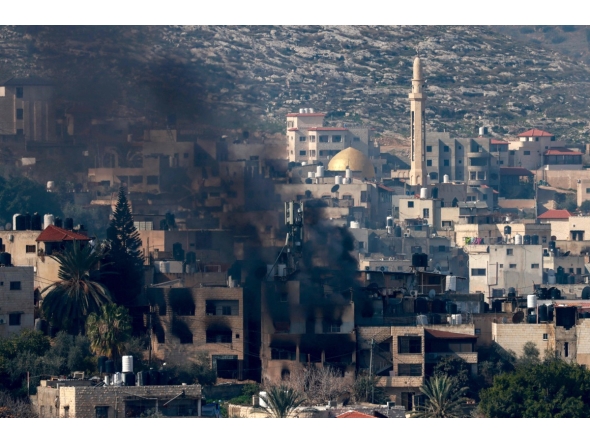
354,414
561,152
515,171
306,114
326,129
499,142
535,133
440,334
294,129
56,234
556,214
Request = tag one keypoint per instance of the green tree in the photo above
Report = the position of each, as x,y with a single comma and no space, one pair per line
69,301
109,330
281,401
456,368
585,207
124,256
530,355
551,389
444,398
197,372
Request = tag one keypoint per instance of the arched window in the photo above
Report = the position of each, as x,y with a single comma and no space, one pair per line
433,175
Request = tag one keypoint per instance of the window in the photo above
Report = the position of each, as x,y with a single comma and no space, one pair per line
478,331
67,411
587,190
222,308
19,114
286,353
428,149
14,319
409,369
446,162
526,153
356,139
31,248
566,349
101,412
474,148
135,180
447,223
501,265
302,153
426,212
534,265
336,139
20,132
509,252
545,336
481,175
442,248
152,180
512,266
312,153
218,336
312,138
472,175
185,155
446,149
323,139
410,204
578,271
497,292
15,285
409,344
478,272
290,124
19,92
302,138
429,163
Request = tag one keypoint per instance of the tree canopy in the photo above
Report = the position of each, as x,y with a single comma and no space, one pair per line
549,389
21,195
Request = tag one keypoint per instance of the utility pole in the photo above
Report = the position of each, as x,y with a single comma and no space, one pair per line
371,371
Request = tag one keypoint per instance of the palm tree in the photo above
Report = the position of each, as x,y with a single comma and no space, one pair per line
108,330
281,401
443,398
78,293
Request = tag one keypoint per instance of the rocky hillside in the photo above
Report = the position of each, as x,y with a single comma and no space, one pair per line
251,76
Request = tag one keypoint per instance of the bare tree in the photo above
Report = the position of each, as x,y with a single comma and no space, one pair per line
15,408
319,384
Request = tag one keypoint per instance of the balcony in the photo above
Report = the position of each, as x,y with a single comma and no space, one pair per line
468,357
399,381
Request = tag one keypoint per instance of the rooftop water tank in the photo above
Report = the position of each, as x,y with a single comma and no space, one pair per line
348,173
446,178
14,225
338,180
531,301
310,174
518,239
69,223
508,230
127,364
36,222
354,224
319,171
423,193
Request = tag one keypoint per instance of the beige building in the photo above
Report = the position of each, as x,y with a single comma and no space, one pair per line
81,399
495,268
17,302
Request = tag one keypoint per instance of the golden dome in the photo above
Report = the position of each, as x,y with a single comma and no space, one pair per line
353,159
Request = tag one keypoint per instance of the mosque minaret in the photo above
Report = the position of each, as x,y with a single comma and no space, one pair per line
418,128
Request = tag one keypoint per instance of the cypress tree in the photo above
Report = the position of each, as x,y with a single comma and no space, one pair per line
124,258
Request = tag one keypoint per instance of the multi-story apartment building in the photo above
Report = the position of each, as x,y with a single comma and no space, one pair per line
16,298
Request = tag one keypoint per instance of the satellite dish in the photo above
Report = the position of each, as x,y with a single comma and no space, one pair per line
432,294
335,188
518,317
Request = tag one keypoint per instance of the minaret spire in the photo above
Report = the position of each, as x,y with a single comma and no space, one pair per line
418,127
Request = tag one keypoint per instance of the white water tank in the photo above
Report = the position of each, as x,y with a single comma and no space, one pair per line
14,221
354,224
303,164
531,301
127,364
389,221
319,171
518,239
348,173
456,319
551,279
48,219
421,320
446,178
338,180
50,185
311,110
261,396
423,193
451,283
301,110
311,174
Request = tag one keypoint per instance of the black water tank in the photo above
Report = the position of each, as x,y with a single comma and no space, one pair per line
571,279
543,313
535,239
420,305
526,239
532,319
20,223
154,377
177,252
109,367
555,293
586,293
101,363
5,259
550,312
128,379
41,325
497,306
27,221
191,257
435,318
397,231
551,245
36,222
507,229
420,260
439,306
511,292
143,378
69,223
451,307
58,222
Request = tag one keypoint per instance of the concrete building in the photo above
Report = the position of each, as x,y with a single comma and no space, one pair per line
82,399
309,141
495,268
27,109
17,301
